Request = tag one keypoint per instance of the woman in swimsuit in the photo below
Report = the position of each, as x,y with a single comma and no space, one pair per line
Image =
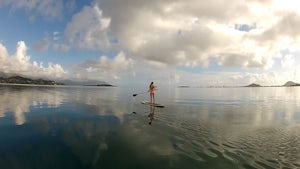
151,90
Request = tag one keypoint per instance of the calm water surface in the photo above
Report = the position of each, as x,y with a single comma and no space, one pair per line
94,127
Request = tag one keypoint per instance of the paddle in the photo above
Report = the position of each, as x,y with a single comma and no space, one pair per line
138,94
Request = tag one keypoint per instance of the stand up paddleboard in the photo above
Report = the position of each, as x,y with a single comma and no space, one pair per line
153,104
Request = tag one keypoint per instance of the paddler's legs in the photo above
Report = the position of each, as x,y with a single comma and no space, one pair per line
152,100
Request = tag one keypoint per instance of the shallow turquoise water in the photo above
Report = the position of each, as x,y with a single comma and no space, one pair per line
94,127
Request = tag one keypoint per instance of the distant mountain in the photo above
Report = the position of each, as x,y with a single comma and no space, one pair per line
290,83
287,84
105,85
253,85
24,80
11,78
184,86
86,83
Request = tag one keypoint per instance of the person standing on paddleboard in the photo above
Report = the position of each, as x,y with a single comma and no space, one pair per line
152,91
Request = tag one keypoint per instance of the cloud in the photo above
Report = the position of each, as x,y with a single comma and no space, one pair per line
192,33
103,69
143,72
49,10
42,45
61,47
288,61
20,63
88,29
56,36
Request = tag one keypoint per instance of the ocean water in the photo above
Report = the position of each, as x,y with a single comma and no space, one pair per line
106,127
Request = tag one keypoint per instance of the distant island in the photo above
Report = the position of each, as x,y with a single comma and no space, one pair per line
287,84
23,80
290,83
87,83
184,86
16,79
253,85
102,85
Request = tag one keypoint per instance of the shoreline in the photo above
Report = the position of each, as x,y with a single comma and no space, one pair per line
54,86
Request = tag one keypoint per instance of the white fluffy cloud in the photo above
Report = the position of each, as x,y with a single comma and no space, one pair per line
88,29
244,34
194,33
288,61
20,63
104,68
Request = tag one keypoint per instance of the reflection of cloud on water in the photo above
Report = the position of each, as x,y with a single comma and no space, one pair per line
149,138
87,137
19,115
2,110
103,101
116,109
97,141
262,106
19,99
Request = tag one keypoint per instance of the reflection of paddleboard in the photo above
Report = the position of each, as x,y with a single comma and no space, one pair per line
153,104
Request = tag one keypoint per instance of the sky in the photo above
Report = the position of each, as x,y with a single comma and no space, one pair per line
170,42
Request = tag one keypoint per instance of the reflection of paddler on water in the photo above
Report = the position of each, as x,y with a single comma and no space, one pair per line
151,114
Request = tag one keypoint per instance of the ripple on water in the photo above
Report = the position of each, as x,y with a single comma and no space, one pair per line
210,152
188,138
269,148
254,147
